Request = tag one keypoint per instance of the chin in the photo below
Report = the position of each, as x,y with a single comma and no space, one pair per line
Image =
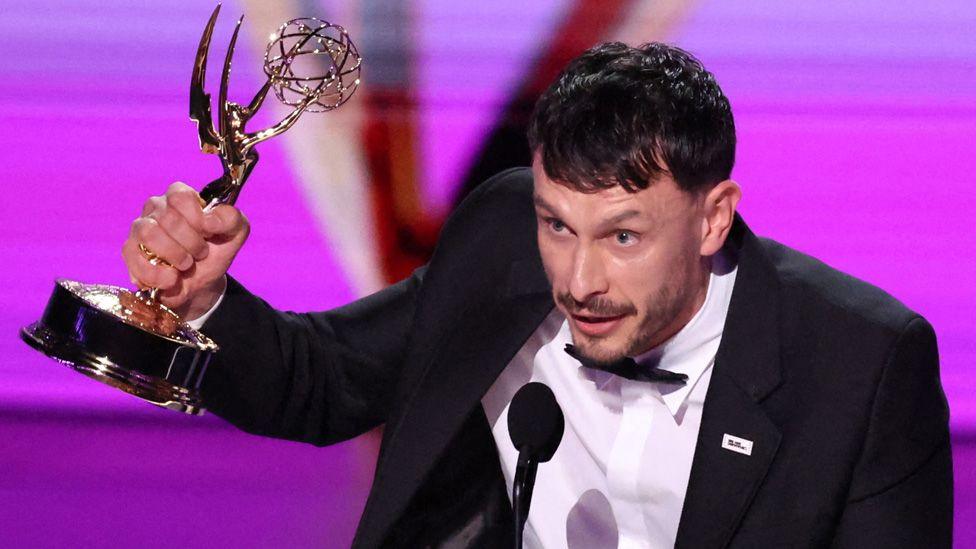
599,349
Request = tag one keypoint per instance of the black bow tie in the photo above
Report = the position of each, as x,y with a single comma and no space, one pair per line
629,368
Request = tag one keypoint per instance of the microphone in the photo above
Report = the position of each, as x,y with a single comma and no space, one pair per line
535,423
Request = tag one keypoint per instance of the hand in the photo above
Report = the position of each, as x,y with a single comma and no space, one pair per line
198,247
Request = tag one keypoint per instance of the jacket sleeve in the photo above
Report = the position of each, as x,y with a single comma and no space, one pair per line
312,377
901,491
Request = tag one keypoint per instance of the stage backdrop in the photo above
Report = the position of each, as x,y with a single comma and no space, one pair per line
856,124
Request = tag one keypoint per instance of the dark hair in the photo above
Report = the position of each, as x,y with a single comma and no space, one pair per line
624,115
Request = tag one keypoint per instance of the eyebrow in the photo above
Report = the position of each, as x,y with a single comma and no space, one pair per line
538,201
620,217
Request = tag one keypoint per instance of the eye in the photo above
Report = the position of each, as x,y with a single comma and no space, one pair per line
626,238
556,225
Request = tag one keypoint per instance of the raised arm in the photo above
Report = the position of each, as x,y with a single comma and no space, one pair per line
314,377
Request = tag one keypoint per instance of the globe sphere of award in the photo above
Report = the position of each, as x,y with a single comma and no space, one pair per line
131,341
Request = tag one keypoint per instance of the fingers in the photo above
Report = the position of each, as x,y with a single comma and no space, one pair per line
154,203
175,295
178,214
184,200
175,229
226,221
148,232
181,230
145,274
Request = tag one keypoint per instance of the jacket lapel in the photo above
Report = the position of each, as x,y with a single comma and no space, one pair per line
485,339
747,368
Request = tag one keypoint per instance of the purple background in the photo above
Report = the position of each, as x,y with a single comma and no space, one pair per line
856,124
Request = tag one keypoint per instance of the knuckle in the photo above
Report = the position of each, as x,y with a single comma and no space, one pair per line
188,207
181,197
151,204
176,187
142,228
168,218
188,200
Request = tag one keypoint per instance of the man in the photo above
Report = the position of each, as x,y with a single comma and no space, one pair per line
772,400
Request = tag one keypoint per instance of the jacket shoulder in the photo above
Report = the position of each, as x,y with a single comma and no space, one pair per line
512,186
814,282
497,217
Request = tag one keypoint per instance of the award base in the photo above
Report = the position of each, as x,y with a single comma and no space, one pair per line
124,340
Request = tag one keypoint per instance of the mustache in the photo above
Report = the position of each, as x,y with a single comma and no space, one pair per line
597,306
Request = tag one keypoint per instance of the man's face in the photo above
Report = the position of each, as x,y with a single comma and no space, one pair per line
625,268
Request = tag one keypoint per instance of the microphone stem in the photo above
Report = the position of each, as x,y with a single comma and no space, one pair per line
522,486
517,507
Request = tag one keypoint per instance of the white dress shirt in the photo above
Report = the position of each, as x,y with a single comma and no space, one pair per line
619,476
198,322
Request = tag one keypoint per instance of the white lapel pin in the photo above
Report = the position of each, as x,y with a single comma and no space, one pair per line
736,444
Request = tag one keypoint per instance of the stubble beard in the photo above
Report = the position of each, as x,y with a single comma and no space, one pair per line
663,311
663,308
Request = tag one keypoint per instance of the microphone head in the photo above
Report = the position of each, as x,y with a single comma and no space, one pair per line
535,421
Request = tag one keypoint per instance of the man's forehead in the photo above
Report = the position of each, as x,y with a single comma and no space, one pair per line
555,194
662,192
652,206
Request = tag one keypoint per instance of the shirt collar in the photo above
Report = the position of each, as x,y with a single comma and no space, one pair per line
692,350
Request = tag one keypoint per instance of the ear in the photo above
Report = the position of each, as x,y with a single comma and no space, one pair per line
719,212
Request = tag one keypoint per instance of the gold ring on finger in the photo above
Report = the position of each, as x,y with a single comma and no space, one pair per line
152,257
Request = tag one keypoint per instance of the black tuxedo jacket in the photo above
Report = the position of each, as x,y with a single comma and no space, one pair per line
834,381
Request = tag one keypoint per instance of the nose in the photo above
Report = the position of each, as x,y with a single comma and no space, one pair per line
589,277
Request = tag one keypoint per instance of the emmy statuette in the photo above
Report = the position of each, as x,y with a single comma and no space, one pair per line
128,339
